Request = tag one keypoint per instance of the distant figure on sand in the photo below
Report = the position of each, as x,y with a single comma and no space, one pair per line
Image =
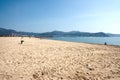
105,43
22,41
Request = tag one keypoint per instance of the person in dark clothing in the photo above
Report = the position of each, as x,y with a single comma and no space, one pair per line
105,43
22,41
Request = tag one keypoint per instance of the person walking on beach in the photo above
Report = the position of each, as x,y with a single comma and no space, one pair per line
22,41
105,43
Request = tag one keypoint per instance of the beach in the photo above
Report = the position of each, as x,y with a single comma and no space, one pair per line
42,59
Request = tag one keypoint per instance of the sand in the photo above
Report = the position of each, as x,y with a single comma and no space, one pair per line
42,59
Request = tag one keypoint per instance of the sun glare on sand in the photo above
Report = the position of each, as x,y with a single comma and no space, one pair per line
42,59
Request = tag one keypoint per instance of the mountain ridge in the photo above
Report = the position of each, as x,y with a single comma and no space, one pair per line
11,32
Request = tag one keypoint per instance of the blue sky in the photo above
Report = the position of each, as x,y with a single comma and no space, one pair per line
63,15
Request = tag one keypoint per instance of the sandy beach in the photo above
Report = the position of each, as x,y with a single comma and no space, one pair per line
42,59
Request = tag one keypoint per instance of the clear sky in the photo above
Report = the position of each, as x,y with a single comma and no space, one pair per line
63,15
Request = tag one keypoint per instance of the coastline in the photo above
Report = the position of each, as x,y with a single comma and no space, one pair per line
85,42
43,59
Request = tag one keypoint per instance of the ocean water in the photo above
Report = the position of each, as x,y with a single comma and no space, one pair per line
95,40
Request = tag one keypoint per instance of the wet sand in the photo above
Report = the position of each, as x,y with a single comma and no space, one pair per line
42,59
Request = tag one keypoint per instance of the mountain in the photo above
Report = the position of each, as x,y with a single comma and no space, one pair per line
6,32
75,34
10,32
113,35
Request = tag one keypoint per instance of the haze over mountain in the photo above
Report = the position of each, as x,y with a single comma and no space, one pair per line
10,32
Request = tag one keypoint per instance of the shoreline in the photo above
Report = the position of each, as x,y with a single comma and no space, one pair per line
84,42
65,41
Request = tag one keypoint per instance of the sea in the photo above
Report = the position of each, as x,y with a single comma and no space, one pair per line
93,40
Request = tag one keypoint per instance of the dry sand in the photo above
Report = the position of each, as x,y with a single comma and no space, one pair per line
41,59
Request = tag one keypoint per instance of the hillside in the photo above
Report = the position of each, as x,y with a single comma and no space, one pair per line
10,32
